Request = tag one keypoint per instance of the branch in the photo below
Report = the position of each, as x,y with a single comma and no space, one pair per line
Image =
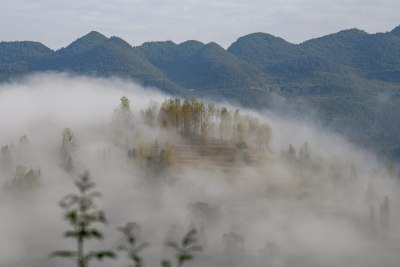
63,254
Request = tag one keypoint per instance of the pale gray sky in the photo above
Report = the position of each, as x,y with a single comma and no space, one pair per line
56,23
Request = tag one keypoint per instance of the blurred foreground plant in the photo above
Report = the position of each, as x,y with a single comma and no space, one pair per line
81,213
185,250
132,243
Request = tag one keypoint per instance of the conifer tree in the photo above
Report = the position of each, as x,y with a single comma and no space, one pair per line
81,213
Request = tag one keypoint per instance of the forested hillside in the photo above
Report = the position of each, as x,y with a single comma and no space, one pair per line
350,78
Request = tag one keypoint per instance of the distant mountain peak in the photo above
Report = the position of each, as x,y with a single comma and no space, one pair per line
95,34
192,43
91,37
213,45
190,47
85,42
260,48
396,31
168,43
263,36
352,32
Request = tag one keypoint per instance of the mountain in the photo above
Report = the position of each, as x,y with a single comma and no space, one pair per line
95,54
201,67
396,31
375,56
16,58
25,51
351,78
263,49
83,44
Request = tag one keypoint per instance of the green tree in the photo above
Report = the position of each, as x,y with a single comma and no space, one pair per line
185,249
123,122
81,213
263,136
187,116
149,115
132,243
224,123
68,141
125,106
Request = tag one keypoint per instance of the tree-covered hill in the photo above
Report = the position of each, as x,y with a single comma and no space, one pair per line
18,58
95,54
351,78
11,52
198,66
375,56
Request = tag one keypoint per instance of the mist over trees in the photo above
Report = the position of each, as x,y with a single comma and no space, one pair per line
350,77
183,182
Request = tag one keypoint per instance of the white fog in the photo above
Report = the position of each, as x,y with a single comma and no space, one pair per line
320,203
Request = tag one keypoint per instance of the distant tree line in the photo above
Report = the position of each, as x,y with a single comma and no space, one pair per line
197,121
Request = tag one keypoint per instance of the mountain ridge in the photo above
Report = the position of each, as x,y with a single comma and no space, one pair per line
341,75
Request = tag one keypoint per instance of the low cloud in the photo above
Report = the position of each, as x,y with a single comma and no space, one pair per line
281,209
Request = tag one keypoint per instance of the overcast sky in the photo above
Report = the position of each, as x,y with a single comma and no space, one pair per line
56,23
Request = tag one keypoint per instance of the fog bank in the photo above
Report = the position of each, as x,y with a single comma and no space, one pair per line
320,202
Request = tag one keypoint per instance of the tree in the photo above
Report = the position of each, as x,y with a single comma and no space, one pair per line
263,136
23,140
291,153
224,124
26,180
185,250
149,115
68,144
305,154
81,213
385,214
170,114
5,157
166,158
198,112
68,140
125,106
132,243
187,115
123,122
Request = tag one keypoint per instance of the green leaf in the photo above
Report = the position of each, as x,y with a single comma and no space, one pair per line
166,263
73,234
100,255
94,233
72,216
69,200
135,258
190,238
185,257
